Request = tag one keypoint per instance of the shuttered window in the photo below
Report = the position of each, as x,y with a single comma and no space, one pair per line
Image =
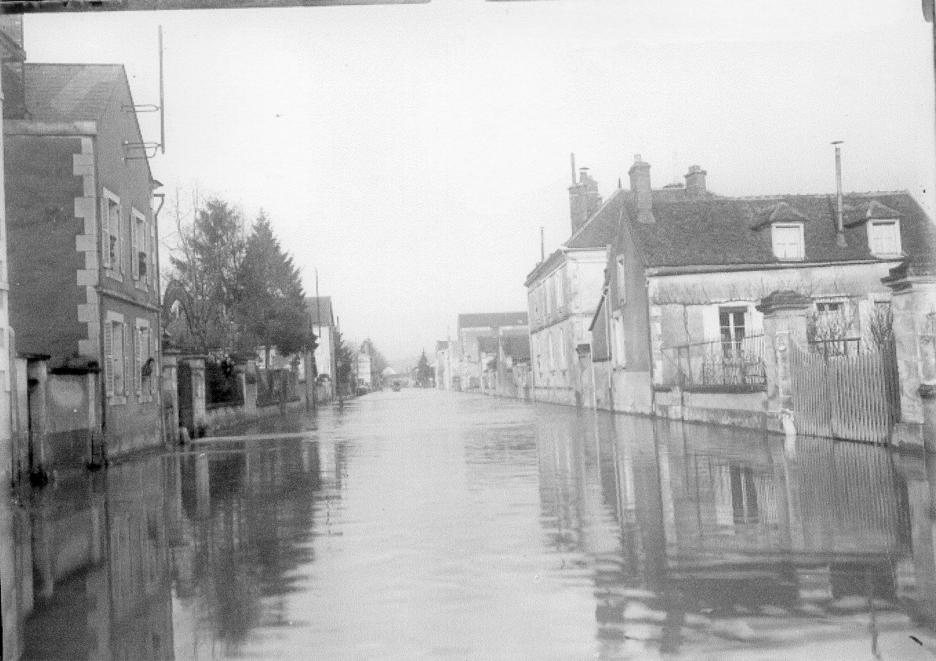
109,358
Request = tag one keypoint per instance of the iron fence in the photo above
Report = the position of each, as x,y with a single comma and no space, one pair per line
729,364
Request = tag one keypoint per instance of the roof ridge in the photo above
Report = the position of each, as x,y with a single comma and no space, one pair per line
775,196
616,192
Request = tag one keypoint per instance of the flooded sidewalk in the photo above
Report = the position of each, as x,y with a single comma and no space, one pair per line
423,524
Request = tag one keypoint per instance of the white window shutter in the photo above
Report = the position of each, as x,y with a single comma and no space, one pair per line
108,358
105,231
128,352
134,253
137,360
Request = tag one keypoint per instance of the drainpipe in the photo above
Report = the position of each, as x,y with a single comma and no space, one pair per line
158,363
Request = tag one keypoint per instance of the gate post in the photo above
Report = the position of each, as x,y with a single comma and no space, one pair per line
169,386
913,303
785,317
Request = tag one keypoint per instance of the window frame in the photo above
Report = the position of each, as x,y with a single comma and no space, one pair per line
139,236
895,238
111,229
114,370
801,240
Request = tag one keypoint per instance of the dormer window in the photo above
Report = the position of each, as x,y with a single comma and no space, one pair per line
788,241
884,237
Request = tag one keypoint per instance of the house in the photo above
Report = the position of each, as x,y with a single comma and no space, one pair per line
686,269
443,365
322,320
472,326
83,257
364,367
563,291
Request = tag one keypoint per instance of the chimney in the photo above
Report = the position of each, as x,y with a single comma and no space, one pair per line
12,56
584,199
839,224
695,182
640,186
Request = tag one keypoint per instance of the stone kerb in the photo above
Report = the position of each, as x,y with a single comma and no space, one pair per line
913,303
785,321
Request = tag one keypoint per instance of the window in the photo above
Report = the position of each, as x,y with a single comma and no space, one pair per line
550,296
143,381
731,321
560,290
562,349
111,247
114,355
884,237
787,241
139,265
621,279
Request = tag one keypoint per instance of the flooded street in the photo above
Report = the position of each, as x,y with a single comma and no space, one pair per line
426,524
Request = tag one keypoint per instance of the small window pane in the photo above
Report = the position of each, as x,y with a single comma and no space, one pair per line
788,241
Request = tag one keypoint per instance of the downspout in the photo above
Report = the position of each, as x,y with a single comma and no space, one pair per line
608,338
99,290
159,380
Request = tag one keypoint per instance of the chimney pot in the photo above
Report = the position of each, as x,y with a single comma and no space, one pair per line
584,199
640,185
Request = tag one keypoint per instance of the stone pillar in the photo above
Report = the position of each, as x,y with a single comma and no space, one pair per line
785,319
199,415
38,374
250,388
169,388
913,303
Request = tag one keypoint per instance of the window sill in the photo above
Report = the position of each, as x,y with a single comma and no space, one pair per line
117,400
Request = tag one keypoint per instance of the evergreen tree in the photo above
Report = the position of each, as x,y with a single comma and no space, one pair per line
423,371
270,300
206,265
345,360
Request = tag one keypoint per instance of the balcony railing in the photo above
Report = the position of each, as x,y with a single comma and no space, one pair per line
726,365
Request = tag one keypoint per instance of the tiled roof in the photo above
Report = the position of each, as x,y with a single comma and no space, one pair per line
70,92
725,231
492,319
320,310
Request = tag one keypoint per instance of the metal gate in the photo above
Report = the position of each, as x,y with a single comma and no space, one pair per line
853,397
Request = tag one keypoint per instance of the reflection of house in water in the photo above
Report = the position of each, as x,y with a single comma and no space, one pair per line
100,561
718,541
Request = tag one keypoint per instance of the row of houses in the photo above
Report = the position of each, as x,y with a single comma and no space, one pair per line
84,375
659,291
656,304
490,354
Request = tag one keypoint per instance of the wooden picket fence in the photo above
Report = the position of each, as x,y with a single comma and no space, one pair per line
852,396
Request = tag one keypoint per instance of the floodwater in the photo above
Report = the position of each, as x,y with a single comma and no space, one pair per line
423,525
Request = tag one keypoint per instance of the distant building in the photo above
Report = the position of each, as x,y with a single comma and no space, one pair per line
83,243
468,368
443,365
364,379
322,320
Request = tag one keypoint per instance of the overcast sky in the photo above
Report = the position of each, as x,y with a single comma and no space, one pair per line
411,153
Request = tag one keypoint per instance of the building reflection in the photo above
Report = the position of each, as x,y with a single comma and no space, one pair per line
174,556
721,537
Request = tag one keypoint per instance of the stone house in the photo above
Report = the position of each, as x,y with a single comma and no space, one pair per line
83,257
562,293
686,270
468,368
322,320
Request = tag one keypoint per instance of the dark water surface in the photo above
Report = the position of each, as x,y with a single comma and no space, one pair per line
422,524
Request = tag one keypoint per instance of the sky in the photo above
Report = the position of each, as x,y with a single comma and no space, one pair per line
410,154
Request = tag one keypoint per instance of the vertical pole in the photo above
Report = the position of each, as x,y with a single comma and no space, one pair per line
162,112
839,225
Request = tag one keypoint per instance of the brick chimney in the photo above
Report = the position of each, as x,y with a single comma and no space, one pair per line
584,199
695,182
640,186
12,56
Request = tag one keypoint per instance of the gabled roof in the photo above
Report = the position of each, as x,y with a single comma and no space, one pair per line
70,92
726,231
320,310
492,319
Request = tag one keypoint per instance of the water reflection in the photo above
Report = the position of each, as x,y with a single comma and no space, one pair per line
478,528
726,541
